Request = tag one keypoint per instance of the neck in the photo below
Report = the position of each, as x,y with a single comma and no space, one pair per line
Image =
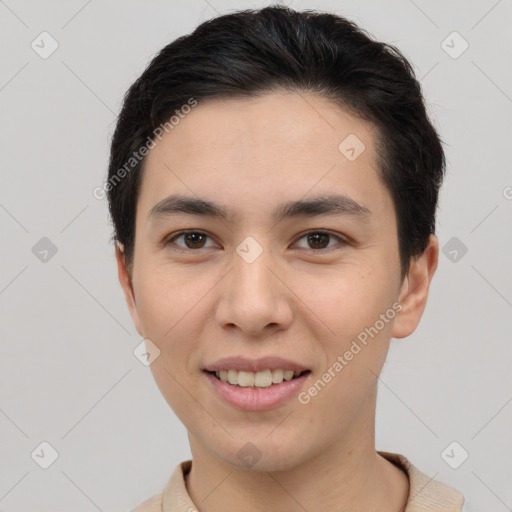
348,476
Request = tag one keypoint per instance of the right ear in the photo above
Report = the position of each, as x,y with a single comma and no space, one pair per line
125,280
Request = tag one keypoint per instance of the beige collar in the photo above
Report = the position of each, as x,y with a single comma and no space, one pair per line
425,494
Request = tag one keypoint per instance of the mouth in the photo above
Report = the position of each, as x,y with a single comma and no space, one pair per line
256,384
256,391
257,380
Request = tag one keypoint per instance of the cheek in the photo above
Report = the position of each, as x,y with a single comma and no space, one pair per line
347,384
165,297
169,307
359,309
165,306
355,300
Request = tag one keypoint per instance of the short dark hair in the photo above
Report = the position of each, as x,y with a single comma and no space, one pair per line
252,52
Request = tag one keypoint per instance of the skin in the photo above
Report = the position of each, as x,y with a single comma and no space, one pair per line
296,300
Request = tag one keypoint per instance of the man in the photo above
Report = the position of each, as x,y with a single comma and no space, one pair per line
273,185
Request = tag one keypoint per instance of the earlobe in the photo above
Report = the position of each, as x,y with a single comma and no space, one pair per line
125,280
414,290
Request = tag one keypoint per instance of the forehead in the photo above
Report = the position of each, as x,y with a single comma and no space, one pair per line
254,151
272,121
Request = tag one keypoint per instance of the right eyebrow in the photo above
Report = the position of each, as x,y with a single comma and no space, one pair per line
178,203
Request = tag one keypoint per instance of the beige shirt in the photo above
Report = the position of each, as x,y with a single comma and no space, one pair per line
425,494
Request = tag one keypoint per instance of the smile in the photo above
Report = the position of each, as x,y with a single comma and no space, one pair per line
249,397
261,379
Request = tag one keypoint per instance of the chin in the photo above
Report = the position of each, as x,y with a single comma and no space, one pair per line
263,454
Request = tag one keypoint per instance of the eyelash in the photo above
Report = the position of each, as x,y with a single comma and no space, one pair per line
168,242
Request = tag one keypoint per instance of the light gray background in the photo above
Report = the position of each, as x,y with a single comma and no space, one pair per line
67,372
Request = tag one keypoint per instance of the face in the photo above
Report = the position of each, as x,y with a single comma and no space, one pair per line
293,266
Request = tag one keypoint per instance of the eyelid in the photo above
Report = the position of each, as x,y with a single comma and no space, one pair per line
173,236
342,241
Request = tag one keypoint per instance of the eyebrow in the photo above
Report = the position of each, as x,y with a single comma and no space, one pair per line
336,204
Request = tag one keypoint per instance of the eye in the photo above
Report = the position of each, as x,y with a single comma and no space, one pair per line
319,240
194,240
191,239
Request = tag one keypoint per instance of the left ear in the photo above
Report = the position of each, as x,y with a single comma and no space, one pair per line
414,290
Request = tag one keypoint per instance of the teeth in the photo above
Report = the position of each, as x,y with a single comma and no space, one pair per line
245,379
288,374
277,376
232,376
262,379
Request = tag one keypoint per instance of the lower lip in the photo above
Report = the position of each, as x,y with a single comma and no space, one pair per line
257,399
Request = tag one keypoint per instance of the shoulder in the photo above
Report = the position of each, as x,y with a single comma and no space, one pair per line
425,493
153,504
174,496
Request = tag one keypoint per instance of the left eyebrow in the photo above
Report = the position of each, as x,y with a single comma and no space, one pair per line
337,204
321,205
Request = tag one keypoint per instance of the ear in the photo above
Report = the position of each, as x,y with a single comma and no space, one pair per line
125,280
414,290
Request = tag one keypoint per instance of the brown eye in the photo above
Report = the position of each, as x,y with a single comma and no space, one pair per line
318,240
192,240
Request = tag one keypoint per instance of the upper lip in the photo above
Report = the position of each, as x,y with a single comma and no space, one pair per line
245,364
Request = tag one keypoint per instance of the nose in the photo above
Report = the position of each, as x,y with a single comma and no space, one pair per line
253,297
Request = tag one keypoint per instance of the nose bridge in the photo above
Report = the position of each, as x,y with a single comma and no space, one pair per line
252,296
251,270
251,273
